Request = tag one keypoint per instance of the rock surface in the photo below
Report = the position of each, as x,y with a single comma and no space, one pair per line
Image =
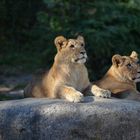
44,119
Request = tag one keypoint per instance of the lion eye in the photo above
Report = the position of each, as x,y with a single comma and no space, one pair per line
129,65
71,46
82,44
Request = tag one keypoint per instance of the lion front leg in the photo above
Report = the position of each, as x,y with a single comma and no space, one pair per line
99,92
70,94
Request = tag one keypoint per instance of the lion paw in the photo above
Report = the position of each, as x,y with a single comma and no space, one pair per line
76,97
104,94
98,92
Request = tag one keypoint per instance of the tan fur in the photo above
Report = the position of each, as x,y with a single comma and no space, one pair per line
68,77
120,78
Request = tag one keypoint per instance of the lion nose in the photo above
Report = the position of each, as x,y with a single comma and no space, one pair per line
82,52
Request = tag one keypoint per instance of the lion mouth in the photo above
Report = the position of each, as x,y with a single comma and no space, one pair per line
81,60
137,79
76,60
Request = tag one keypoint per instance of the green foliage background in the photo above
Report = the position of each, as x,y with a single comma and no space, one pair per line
28,28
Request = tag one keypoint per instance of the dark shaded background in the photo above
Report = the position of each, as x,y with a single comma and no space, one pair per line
28,29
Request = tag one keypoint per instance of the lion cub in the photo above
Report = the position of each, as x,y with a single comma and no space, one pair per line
120,78
68,77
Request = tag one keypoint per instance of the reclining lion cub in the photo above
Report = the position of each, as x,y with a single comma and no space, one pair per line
120,78
68,77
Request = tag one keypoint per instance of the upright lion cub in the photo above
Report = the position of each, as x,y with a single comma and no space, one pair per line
68,76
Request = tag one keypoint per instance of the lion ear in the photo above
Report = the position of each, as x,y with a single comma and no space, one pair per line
134,55
117,60
81,39
59,41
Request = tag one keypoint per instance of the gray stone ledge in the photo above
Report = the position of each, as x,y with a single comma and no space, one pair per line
44,119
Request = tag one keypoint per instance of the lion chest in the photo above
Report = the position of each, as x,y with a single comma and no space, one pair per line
78,79
74,76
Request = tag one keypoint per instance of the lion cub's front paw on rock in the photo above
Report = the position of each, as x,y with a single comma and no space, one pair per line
100,92
104,94
76,97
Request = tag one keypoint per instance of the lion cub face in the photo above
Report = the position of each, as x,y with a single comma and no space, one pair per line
71,50
127,66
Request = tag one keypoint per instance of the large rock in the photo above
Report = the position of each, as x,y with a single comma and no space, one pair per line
44,119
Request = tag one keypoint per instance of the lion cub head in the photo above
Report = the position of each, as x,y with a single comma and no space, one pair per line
127,67
70,50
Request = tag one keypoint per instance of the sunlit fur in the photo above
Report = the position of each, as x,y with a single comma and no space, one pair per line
68,77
